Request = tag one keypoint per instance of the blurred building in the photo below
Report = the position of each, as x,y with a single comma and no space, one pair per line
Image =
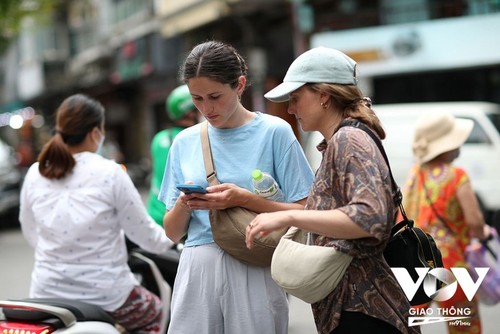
126,53
419,50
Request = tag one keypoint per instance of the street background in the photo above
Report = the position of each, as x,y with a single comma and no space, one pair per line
126,55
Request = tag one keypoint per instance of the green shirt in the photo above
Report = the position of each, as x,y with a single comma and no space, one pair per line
160,146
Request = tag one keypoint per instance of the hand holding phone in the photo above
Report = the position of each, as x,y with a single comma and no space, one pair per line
191,189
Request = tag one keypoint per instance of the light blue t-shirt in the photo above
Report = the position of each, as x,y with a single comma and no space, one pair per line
267,142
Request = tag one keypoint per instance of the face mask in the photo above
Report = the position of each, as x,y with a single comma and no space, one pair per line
100,144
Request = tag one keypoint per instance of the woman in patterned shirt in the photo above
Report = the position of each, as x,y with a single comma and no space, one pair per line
440,198
350,206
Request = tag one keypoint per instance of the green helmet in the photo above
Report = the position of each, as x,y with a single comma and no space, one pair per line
179,102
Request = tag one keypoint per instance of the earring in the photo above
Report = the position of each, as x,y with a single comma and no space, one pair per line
324,105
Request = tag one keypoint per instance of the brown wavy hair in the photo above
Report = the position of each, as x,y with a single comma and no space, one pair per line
75,118
350,101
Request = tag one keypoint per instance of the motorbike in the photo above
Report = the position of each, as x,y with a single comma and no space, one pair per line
61,316
167,263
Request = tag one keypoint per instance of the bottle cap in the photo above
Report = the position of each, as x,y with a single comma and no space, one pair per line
257,174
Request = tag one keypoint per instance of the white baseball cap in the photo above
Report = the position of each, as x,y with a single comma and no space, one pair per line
317,65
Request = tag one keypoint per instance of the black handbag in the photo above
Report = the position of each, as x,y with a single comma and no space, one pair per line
408,247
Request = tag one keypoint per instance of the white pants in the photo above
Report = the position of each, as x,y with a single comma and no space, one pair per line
217,294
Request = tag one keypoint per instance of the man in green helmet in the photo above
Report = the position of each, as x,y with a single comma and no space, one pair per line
183,113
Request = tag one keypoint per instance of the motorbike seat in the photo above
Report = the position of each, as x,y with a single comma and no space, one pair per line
81,310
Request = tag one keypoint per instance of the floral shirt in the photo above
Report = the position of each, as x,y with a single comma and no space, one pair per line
449,231
354,178
441,185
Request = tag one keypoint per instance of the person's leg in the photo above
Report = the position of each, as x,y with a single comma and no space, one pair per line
357,322
142,312
252,301
459,302
195,307
470,325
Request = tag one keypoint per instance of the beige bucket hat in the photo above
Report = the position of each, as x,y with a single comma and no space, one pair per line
437,133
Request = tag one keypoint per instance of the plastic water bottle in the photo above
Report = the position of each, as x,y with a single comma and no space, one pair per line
266,186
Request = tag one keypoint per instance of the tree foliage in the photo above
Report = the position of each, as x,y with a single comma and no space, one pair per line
12,12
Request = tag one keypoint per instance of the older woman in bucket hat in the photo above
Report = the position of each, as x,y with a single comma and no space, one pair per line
439,196
350,206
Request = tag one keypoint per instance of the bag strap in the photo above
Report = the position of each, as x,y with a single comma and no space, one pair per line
207,155
438,216
397,195
426,248
445,221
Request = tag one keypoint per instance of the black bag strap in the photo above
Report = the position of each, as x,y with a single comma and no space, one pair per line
425,247
397,195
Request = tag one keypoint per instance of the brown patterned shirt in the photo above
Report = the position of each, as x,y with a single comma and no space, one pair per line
354,178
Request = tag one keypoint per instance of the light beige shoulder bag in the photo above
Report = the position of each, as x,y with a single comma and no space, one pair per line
229,225
306,271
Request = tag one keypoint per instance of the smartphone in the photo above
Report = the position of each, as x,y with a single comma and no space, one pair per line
191,188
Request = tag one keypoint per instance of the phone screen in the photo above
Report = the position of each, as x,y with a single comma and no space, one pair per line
191,188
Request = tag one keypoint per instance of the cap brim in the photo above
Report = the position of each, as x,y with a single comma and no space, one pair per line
281,93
